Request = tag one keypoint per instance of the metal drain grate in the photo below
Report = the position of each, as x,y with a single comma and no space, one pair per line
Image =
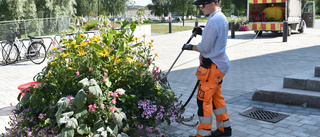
264,115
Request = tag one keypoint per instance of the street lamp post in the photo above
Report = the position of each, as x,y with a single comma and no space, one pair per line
183,12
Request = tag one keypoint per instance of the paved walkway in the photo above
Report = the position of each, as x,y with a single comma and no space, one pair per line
255,63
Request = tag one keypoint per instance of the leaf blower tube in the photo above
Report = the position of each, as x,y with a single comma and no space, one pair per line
195,87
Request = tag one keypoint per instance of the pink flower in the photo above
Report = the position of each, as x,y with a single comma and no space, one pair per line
2,15
114,101
104,79
111,109
150,61
54,43
29,133
157,68
92,107
10,104
102,106
78,73
41,116
120,91
104,73
114,94
90,69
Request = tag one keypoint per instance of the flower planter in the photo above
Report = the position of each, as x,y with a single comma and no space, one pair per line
26,87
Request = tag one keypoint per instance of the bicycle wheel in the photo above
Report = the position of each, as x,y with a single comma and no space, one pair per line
37,52
10,53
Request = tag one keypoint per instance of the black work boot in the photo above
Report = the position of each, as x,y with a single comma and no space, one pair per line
218,133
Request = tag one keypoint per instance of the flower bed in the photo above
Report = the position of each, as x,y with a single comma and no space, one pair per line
109,86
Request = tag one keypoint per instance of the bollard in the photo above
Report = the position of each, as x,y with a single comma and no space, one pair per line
232,29
196,23
170,27
285,31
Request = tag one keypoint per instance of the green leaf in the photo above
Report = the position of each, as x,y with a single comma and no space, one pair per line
104,133
78,39
114,128
63,120
105,23
24,99
110,38
67,132
97,47
81,115
64,103
72,123
80,99
133,27
98,124
71,28
108,82
84,82
58,114
109,130
124,23
94,89
135,45
67,114
83,129
19,96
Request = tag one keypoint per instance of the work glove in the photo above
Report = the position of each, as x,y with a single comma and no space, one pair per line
187,47
197,31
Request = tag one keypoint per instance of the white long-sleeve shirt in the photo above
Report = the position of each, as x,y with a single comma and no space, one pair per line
214,41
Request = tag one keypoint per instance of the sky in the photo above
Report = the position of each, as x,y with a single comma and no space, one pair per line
142,2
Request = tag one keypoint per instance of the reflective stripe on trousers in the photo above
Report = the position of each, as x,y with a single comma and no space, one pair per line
210,100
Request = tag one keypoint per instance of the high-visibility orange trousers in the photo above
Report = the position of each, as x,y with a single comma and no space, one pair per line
210,100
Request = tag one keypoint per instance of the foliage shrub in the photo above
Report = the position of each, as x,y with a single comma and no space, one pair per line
107,86
90,25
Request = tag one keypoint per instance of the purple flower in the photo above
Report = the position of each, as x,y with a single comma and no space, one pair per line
140,126
41,116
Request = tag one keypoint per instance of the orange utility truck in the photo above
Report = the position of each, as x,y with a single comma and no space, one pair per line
271,15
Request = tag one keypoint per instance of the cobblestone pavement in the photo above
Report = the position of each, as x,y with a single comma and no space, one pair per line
255,63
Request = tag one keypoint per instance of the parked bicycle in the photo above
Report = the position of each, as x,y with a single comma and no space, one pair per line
13,49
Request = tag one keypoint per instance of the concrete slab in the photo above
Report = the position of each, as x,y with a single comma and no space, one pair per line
277,94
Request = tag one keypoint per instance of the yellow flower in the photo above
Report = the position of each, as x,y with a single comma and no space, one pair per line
156,54
82,36
144,35
152,40
49,72
71,68
64,55
104,54
73,42
56,58
81,52
70,63
139,64
76,46
52,63
64,42
150,44
118,33
130,60
53,48
83,44
68,46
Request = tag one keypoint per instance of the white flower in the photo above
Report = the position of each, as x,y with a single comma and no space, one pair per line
120,91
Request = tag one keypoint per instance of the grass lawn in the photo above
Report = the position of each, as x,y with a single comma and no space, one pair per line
158,28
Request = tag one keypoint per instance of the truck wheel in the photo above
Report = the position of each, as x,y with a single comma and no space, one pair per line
289,30
302,29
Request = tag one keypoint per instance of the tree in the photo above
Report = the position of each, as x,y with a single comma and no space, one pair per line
140,14
114,7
